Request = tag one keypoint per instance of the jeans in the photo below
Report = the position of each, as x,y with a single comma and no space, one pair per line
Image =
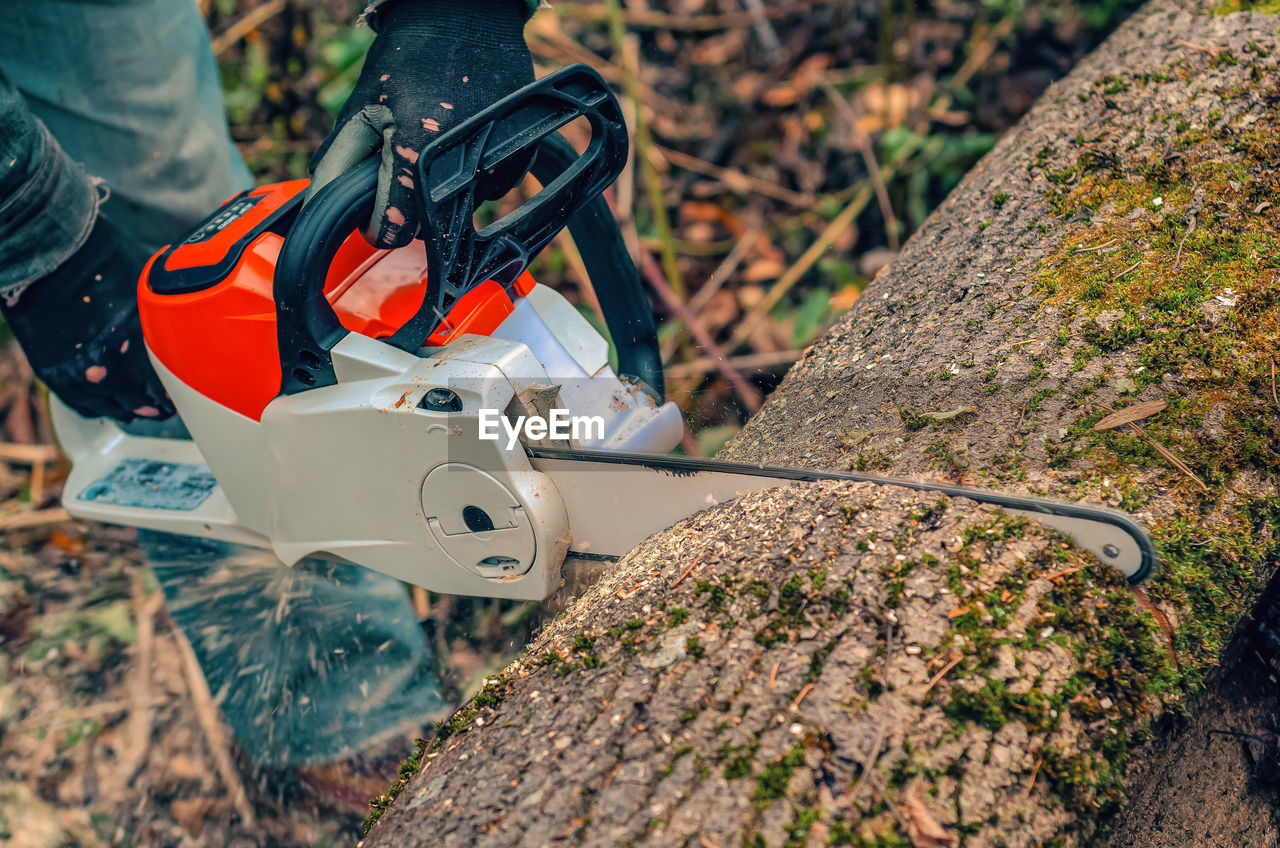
115,106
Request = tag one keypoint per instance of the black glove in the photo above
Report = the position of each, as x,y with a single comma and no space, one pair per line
80,331
434,64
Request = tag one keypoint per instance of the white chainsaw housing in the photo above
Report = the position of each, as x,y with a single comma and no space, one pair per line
359,471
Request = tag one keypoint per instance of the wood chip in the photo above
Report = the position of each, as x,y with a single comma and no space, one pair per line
39,518
27,454
795,705
1201,47
922,828
1129,414
1031,783
687,572
933,681
955,413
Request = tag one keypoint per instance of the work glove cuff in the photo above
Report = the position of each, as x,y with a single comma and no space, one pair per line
482,12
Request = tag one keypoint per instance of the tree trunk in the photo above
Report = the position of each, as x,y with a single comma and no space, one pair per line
848,664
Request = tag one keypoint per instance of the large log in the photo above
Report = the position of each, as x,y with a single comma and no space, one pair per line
846,664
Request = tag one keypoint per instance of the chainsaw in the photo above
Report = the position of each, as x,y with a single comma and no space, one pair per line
399,409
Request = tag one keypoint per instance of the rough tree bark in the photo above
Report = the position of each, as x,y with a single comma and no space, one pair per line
846,664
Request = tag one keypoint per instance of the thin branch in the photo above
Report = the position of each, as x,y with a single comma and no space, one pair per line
746,362
1127,270
1191,228
862,141
250,21
933,681
795,705
735,180
1031,783
842,222
1103,246
647,19
1165,452
552,43
721,274
644,143
27,454
211,724
747,393
39,518
1212,51
764,30
708,289
867,765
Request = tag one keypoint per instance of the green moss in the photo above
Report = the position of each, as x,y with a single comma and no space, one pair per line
993,706
682,751
818,659
772,782
1113,84
871,460
912,419
737,761
1159,289
798,830
945,459
379,803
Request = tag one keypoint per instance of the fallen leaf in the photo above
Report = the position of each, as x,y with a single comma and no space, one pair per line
923,829
1129,414
72,545
955,413
191,812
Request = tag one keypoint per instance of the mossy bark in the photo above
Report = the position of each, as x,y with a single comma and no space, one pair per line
845,664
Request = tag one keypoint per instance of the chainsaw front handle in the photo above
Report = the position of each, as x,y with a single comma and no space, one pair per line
307,328
452,171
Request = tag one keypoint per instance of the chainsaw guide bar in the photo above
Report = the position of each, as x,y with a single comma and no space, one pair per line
654,492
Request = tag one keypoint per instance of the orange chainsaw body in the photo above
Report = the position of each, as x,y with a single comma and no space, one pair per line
208,312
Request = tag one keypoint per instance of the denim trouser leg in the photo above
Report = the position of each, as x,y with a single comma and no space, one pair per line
308,664
130,89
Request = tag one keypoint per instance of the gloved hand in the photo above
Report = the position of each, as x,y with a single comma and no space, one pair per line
434,64
80,330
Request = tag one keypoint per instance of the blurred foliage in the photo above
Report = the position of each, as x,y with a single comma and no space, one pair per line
761,126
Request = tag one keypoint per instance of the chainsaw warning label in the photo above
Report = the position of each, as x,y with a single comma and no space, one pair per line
149,484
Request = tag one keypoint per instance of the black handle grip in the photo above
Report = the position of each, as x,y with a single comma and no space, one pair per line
452,172
307,328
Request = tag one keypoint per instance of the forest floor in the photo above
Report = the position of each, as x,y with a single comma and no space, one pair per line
107,735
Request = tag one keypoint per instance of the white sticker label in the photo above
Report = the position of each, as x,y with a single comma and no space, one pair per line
149,484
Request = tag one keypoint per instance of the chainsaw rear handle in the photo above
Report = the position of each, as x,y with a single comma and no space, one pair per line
459,257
